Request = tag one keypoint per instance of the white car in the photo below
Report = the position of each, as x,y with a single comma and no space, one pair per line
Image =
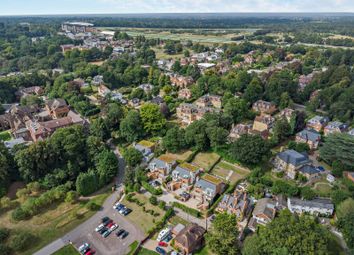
114,227
116,205
99,227
121,211
84,247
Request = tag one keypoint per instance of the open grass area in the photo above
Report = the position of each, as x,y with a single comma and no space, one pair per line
174,220
229,172
180,156
206,160
5,136
144,251
141,219
67,250
160,54
132,247
323,189
53,222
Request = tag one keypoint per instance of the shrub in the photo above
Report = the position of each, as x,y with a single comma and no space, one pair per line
153,200
162,204
4,250
152,190
186,209
19,214
4,234
22,241
71,197
92,206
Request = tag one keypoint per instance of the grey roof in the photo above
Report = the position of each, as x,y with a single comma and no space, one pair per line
203,184
293,157
309,169
317,203
182,172
319,119
309,134
158,163
264,206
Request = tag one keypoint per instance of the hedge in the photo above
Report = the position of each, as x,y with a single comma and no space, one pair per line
152,190
160,224
187,209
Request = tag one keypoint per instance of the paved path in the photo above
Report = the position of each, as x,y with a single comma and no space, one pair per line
106,210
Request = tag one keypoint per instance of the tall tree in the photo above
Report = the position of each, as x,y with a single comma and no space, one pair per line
131,127
153,120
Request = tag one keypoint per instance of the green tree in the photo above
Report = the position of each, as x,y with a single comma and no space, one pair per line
345,214
237,108
132,157
99,128
222,239
131,127
87,183
107,166
6,168
22,241
153,120
174,140
282,130
307,193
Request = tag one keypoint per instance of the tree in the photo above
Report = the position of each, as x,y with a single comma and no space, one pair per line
281,130
249,149
338,147
345,214
131,127
307,193
132,156
6,167
107,166
285,101
174,140
99,128
153,200
153,120
222,239
253,91
237,108
22,241
114,115
87,183
217,136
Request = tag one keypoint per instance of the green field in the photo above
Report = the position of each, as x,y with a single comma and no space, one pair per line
67,250
229,172
206,160
144,251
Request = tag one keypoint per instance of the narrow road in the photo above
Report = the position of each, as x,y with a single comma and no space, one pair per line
87,225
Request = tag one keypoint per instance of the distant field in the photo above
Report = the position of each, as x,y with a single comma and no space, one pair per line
206,160
180,156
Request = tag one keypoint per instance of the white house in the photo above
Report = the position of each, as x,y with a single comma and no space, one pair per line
317,206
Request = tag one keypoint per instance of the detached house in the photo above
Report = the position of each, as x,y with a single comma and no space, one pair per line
238,130
309,136
57,108
184,176
263,123
181,81
287,113
335,127
318,206
209,101
264,107
103,91
188,113
317,123
161,167
205,190
146,148
263,213
290,161
190,239
185,94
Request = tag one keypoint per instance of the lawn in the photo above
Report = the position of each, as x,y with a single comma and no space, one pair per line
323,189
229,172
67,250
203,251
160,54
132,247
180,156
174,220
206,160
5,136
144,251
53,222
142,219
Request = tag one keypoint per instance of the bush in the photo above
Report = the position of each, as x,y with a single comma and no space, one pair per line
22,241
162,205
153,200
152,190
19,214
4,250
92,206
71,197
186,209
4,234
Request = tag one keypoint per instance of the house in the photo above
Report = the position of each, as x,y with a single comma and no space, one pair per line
103,91
183,176
335,127
188,113
263,123
238,130
264,107
97,80
181,81
157,100
12,143
134,102
80,82
309,136
237,203
205,66
184,94
190,239
34,90
147,87
310,172
206,189
330,178
57,108
317,206
146,148
263,213
161,167
286,113
317,123
290,161
209,101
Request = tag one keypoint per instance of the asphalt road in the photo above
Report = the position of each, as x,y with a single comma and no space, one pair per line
85,232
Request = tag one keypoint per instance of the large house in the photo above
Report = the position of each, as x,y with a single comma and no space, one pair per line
264,107
287,113
184,176
263,213
190,239
206,188
290,161
146,148
24,92
209,101
318,206
185,93
238,130
57,108
188,113
181,81
103,91
161,167
309,136
263,123
335,127
317,123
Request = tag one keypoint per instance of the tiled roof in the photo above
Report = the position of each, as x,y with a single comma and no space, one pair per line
309,134
293,157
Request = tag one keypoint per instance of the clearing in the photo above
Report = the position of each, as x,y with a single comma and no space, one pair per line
183,156
67,250
206,160
230,172
138,216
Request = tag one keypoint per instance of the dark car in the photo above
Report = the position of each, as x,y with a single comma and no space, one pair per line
125,234
160,250
120,232
127,211
105,219
168,238
102,230
108,223
119,207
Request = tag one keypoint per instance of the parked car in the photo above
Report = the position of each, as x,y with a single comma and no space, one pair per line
105,219
168,238
122,210
107,223
119,207
99,227
84,248
102,230
116,205
107,233
120,232
160,250
124,235
127,211
113,227
163,244
90,252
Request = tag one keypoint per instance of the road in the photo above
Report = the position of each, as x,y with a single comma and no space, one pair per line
85,232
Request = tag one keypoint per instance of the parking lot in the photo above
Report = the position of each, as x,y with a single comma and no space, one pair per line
111,244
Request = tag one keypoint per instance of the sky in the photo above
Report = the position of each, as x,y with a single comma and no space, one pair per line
25,7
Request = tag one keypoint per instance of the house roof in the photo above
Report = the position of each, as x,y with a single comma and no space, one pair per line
212,179
309,134
189,167
190,236
56,103
316,203
167,158
293,157
146,143
264,206
318,119
309,169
